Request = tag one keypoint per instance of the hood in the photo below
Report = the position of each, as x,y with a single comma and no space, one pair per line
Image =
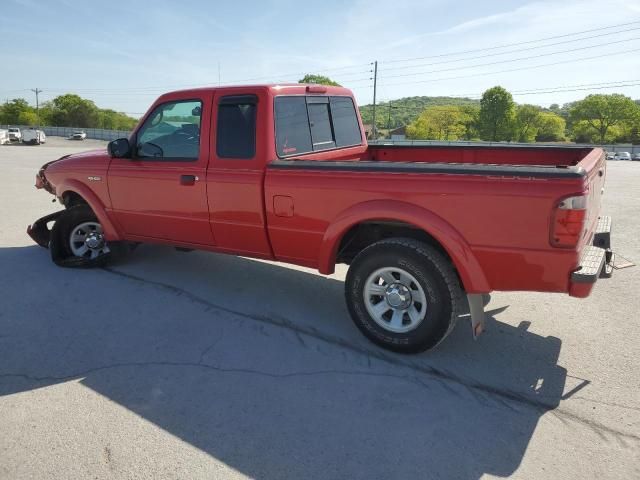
93,161
88,158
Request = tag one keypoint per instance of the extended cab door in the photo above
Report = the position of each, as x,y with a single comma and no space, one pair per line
236,172
160,193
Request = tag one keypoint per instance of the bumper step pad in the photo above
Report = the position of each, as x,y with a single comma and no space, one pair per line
602,236
591,264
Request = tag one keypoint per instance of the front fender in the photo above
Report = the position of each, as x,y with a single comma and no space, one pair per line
76,186
471,274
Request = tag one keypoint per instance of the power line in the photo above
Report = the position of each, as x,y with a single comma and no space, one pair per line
509,51
512,69
554,89
511,60
496,47
540,92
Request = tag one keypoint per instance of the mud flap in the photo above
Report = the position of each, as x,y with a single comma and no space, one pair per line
476,308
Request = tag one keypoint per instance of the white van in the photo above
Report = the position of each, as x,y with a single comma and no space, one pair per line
33,136
4,136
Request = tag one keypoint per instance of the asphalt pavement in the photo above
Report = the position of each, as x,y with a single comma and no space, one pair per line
197,365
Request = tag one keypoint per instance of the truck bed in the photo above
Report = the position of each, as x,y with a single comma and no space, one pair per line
515,155
499,199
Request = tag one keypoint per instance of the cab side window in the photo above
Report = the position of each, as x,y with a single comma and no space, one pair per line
171,132
236,129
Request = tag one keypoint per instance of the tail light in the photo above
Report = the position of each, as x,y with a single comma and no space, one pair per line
568,221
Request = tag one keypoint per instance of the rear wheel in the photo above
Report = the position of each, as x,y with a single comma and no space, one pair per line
403,294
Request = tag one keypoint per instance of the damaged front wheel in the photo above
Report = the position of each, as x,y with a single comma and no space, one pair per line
77,239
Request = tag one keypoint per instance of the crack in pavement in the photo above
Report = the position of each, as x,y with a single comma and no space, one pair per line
479,390
211,347
595,426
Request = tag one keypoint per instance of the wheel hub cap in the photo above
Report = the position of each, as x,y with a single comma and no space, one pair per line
87,240
94,240
394,299
398,296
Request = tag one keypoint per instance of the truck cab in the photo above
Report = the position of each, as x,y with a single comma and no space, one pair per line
14,134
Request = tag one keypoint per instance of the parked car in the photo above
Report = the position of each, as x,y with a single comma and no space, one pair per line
33,136
288,176
4,136
78,135
611,155
623,156
14,134
636,157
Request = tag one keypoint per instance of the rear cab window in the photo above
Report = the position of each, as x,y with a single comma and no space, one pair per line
312,123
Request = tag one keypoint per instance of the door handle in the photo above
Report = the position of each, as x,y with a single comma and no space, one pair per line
188,179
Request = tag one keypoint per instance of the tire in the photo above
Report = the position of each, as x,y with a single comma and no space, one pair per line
426,294
68,251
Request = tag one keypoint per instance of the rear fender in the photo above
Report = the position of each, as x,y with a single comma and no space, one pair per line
471,274
71,185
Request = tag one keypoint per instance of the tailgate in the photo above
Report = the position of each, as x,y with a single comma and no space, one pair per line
595,165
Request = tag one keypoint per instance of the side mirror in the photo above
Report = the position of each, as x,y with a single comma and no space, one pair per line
119,148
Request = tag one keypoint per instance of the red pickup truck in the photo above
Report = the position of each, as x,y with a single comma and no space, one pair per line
284,172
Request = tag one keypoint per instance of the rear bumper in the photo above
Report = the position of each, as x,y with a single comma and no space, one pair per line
596,261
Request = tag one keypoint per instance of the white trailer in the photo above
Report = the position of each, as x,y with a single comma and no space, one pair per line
33,136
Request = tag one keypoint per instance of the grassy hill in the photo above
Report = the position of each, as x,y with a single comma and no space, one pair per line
406,110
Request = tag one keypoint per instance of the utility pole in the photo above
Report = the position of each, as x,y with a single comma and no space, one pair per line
37,91
374,132
389,119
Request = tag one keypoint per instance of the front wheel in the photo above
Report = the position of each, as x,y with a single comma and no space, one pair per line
77,239
403,294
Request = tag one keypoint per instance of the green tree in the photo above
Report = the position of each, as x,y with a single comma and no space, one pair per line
71,110
406,110
27,117
11,111
526,123
601,113
471,114
497,112
112,120
440,123
318,79
551,127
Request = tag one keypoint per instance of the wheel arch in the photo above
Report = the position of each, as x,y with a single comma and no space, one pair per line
78,192
425,225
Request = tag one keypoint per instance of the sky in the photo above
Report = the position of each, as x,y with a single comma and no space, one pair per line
123,54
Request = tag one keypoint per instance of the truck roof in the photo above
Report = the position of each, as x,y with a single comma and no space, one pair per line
275,88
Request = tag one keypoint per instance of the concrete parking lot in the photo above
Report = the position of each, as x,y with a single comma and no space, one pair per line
196,365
